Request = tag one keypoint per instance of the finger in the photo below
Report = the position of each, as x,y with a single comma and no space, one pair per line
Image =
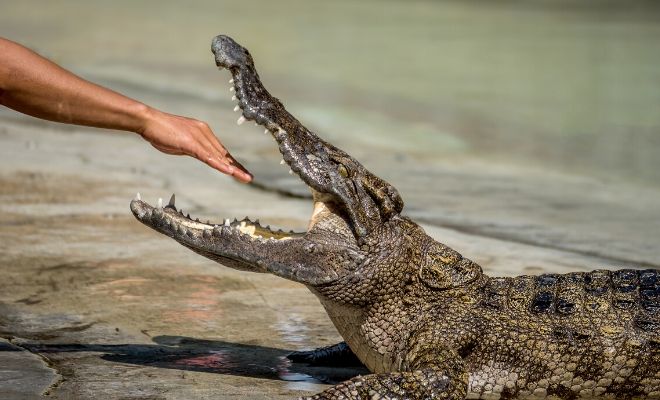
229,169
216,163
242,176
225,167
235,163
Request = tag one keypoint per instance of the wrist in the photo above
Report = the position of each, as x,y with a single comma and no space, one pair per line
143,115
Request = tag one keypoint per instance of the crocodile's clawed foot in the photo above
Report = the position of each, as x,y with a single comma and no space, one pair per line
338,355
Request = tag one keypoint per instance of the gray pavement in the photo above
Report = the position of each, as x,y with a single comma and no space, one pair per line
529,150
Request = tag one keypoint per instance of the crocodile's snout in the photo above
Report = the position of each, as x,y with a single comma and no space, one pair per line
228,53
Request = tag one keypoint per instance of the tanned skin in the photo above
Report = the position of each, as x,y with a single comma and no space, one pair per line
38,87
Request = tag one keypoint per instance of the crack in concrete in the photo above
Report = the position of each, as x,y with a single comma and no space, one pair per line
59,378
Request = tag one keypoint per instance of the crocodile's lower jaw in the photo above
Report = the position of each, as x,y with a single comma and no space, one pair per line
172,222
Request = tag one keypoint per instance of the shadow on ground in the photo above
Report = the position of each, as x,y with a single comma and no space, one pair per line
213,356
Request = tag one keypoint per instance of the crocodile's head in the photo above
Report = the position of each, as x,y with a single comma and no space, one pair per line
354,210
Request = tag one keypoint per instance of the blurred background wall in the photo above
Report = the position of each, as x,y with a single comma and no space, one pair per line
533,121
564,85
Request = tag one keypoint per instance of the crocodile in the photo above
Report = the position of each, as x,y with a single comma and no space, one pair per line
425,321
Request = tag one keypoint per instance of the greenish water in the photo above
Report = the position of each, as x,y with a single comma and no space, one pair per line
570,86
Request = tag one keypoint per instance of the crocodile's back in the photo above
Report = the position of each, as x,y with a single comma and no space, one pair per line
569,336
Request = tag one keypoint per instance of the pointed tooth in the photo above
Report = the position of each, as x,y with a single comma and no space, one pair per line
240,120
172,200
290,172
266,131
160,202
231,80
236,108
282,162
226,221
232,89
233,98
137,196
196,219
188,216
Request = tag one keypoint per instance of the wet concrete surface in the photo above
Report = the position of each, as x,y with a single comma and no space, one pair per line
503,169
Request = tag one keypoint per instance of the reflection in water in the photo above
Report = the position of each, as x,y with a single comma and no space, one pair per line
216,360
201,306
292,328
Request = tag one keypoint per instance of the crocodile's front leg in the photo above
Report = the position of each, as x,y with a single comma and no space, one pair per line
432,374
337,355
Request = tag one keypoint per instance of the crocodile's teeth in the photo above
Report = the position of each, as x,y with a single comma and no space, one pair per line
231,81
232,89
160,202
233,98
137,196
236,108
282,162
226,221
171,202
266,132
290,172
240,120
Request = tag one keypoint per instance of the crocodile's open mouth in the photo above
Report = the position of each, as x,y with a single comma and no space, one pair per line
349,201
304,153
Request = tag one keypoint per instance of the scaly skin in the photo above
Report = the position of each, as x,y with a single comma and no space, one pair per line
426,321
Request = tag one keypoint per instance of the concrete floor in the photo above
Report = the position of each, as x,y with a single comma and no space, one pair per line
521,166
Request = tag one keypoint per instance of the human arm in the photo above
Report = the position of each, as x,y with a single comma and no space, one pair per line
38,87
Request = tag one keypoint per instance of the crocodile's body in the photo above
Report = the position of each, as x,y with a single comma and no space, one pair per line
426,321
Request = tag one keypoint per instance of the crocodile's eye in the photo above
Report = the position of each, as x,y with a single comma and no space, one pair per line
342,171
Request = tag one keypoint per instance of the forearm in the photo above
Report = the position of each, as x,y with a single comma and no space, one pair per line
35,86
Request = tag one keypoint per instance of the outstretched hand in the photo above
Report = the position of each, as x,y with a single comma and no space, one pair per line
36,86
173,134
